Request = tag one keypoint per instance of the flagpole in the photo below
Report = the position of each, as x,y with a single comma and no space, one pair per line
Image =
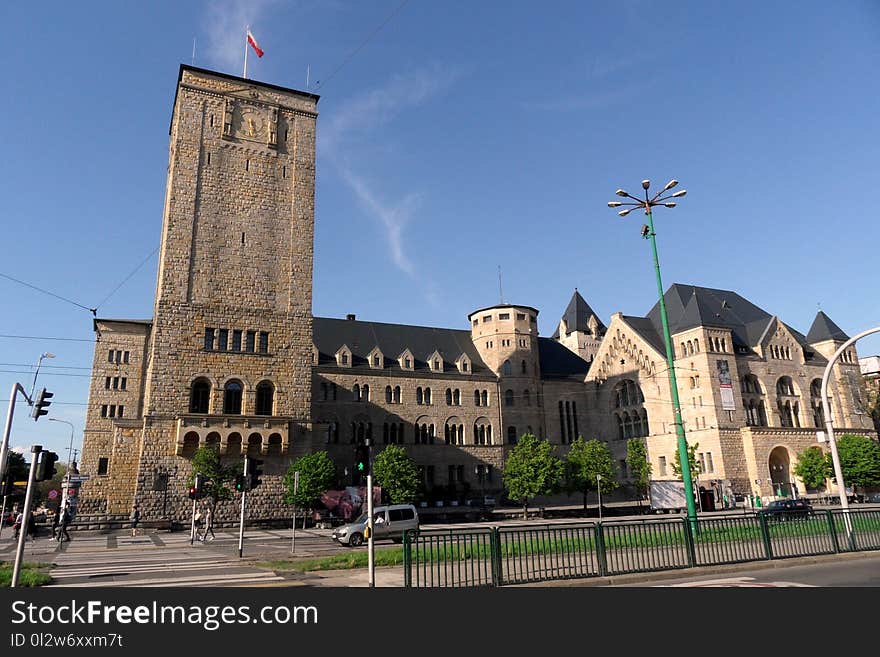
247,29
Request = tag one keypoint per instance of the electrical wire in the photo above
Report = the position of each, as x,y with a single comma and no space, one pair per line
125,280
351,56
41,337
51,294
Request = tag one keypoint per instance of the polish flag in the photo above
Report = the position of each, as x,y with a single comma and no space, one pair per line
251,40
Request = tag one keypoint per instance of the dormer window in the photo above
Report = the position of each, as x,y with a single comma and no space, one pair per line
376,359
463,364
435,361
405,360
343,356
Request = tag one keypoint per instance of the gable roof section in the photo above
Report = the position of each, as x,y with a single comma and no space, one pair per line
559,362
577,315
362,337
825,329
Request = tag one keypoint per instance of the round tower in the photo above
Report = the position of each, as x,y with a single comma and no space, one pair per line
507,338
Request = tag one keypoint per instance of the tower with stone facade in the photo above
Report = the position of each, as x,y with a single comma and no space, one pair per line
226,360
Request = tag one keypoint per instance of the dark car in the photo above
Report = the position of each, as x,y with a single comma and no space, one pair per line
787,510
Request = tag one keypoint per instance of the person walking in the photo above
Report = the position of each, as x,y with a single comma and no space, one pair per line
32,526
56,520
19,519
209,524
135,519
65,521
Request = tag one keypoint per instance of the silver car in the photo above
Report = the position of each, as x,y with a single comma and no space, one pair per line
388,522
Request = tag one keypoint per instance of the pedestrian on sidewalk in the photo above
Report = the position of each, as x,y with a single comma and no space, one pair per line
135,519
32,526
65,521
56,520
19,519
209,524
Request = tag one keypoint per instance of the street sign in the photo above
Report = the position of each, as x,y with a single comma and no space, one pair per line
76,478
53,494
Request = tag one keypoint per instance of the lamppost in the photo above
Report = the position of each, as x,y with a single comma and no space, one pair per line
648,232
66,483
599,490
45,354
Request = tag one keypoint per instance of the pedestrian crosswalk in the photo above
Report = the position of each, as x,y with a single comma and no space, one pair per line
152,567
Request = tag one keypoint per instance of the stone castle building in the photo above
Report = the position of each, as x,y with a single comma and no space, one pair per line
233,359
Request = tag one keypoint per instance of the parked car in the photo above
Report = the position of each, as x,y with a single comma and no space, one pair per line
787,510
388,522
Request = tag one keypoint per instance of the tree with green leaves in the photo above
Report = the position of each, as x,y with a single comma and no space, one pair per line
219,475
584,461
531,469
317,474
397,474
639,466
812,468
859,460
692,461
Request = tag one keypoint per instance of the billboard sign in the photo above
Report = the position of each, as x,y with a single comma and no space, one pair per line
726,386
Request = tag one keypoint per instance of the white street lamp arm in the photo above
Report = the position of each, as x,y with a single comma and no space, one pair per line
829,428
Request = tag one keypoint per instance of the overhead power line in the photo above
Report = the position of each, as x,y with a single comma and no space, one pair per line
42,337
125,280
51,294
352,55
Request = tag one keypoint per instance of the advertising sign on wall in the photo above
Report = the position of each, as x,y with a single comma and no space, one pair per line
726,385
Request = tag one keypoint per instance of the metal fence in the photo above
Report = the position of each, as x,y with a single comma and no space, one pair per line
527,553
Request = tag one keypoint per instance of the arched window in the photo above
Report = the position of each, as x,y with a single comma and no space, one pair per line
427,395
511,435
396,394
633,421
508,397
365,393
620,431
420,398
785,386
388,395
816,403
449,396
476,397
356,392
456,397
684,351
485,397
524,368
506,368
200,396
696,345
690,346
265,401
527,398
232,398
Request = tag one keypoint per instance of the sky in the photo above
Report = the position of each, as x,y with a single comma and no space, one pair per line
455,139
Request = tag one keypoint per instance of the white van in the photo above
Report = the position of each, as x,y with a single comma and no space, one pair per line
388,522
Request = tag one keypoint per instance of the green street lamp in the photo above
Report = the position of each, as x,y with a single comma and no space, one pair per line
648,232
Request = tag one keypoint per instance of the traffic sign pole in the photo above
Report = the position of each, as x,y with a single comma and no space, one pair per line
26,516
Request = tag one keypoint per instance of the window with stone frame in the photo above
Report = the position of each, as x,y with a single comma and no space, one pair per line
232,394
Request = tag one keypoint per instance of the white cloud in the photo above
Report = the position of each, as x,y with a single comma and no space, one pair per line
359,119
20,449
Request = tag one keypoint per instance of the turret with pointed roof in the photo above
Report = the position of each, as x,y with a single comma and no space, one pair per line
824,329
580,329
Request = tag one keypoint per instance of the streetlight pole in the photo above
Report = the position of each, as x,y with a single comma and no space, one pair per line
829,428
45,354
648,232
69,459
599,491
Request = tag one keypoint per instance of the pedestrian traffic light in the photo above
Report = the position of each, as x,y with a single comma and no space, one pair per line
200,485
192,492
362,460
239,483
254,472
46,466
42,403
6,488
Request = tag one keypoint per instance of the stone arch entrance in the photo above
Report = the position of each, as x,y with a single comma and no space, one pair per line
779,464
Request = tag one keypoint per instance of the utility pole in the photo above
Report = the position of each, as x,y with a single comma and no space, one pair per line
243,499
371,546
26,516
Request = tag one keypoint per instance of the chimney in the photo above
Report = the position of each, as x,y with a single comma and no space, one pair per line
350,317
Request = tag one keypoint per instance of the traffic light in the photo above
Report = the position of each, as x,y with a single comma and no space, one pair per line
254,472
200,485
6,488
46,466
239,483
362,460
192,492
42,403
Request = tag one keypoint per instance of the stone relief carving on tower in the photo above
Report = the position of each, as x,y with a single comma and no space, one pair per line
228,113
273,127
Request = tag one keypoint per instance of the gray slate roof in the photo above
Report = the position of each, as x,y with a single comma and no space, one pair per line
392,339
577,316
824,329
689,306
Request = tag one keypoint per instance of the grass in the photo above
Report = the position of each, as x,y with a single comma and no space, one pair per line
444,546
32,574
354,559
